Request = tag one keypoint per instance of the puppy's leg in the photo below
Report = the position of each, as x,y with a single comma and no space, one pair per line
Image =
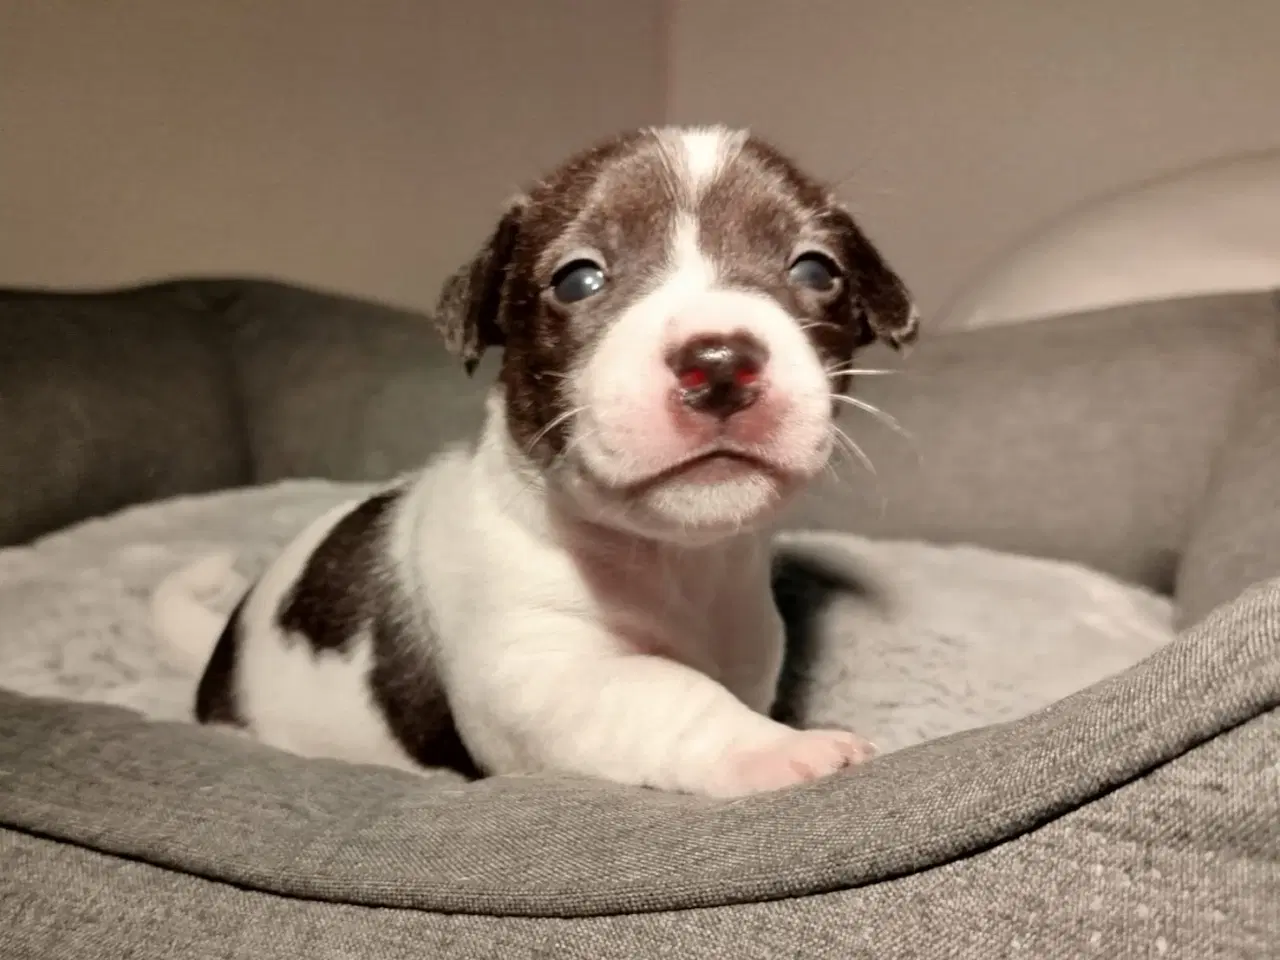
559,695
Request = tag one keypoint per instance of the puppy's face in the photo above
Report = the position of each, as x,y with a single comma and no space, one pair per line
676,309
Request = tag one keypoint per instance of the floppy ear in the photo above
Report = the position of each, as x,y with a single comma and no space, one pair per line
887,308
469,313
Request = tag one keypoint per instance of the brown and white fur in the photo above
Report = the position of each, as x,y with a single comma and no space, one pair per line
587,589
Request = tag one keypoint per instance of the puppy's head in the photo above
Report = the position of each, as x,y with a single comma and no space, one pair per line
676,308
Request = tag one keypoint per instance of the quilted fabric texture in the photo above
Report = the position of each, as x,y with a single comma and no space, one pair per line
109,399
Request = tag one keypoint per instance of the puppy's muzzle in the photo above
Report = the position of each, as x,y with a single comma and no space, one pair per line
719,375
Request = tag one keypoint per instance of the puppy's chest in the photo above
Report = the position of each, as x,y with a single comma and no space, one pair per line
688,614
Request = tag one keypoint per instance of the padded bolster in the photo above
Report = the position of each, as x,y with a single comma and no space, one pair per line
110,399
1086,438
345,389
1236,540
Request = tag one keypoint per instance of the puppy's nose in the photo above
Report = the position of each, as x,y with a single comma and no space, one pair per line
719,375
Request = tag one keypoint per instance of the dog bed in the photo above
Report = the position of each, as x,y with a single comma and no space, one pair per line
1138,816
907,642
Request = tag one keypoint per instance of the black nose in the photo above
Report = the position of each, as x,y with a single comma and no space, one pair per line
719,375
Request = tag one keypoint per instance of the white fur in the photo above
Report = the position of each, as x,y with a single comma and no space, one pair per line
613,678
655,672
705,150
314,705
625,433
563,647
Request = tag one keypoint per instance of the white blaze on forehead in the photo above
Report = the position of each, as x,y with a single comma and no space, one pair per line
695,157
704,152
689,270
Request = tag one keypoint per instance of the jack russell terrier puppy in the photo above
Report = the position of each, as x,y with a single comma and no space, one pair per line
586,590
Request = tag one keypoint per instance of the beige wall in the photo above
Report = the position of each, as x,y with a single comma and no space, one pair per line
367,145
358,145
966,123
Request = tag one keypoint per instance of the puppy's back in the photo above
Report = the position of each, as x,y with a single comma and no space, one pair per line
329,654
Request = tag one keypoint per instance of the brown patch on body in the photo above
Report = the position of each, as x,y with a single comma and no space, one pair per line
216,699
345,590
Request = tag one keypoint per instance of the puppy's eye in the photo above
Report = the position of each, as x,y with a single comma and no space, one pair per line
815,271
578,280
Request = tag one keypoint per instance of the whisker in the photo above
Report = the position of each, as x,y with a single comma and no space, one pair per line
529,480
840,445
888,420
838,449
534,475
851,446
860,371
820,323
555,422
574,441
884,418
864,187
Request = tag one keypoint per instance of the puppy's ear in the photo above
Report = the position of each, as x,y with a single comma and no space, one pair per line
887,308
470,311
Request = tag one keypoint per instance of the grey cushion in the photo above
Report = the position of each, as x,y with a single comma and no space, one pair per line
344,389
1236,540
1137,816
1085,438
114,398
109,399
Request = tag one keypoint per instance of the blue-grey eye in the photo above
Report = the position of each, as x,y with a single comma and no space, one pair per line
578,280
815,271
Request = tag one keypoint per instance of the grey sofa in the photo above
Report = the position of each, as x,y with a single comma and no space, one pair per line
1140,817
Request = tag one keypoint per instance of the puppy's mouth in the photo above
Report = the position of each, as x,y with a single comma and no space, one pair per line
709,468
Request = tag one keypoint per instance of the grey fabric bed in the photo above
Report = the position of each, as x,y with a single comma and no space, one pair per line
1140,817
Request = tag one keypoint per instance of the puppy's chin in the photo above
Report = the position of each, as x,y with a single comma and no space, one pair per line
701,503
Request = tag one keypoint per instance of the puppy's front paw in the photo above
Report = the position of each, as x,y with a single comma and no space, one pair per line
799,756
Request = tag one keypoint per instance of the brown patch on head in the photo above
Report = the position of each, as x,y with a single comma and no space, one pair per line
469,311
616,204
760,212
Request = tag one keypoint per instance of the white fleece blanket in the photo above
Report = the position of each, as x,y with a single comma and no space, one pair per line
941,639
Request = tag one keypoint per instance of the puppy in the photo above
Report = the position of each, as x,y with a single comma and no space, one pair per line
587,589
